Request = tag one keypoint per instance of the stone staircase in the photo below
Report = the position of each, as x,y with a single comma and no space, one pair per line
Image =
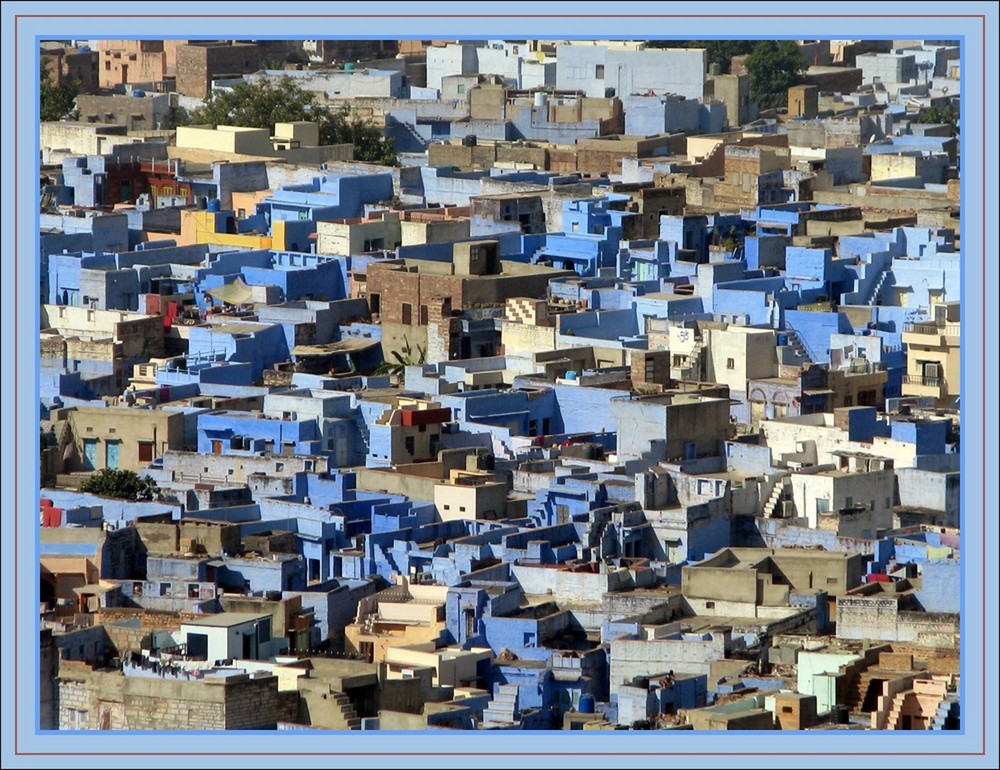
798,346
858,689
948,714
366,436
502,711
894,716
412,134
344,715
771,507
877,287
696,361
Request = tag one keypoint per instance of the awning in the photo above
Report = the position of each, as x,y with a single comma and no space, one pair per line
349,345
235,293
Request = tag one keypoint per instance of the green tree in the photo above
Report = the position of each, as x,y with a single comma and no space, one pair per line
346,127
56,101
398,369
774,67
939,115
120,484
264,102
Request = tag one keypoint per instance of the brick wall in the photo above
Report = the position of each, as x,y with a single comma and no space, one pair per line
107,700
198,65
126,637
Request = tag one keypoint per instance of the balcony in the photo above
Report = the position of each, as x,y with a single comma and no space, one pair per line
919,379
919,385
939,335
864,366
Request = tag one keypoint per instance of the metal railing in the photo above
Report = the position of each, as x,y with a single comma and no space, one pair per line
919,379
864,366
948,330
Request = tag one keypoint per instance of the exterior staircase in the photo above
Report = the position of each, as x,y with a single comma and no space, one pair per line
877,287
366,436
696,361
344,715
894,716
411,133
948,714
798,346
502,711
858,690
770,507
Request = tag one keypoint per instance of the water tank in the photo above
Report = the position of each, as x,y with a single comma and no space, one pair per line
201,201
587,704
214,205
349,67
714,68
782,340
570,375
139,94
469,140
541,98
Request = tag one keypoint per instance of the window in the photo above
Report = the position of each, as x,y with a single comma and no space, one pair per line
709,605
461,508
264,631
164,589
599,71
410,443
193,589
461,88
447,507
786,709
374,301
279,467
145,451
730,363
407,313
849,502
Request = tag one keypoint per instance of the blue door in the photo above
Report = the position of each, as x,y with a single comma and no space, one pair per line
89,454
111,455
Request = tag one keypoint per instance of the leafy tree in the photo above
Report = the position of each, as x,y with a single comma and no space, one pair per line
774,67
344,126
938,115
120,484
264,102
719,52
56,101
398,369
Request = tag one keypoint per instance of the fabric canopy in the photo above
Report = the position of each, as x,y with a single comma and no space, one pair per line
235,293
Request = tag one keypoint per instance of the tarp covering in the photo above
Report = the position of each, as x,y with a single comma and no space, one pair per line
235,293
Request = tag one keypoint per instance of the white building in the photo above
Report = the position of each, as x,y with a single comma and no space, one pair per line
597,69
231,636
